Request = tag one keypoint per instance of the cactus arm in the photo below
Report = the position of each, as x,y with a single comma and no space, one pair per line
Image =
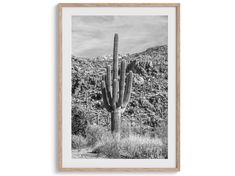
108,83
104,93
128,89
115,58
122,83
115,85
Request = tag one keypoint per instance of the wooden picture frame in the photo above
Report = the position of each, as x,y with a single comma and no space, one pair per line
61,79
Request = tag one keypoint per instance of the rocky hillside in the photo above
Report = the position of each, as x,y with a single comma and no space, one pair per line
147,109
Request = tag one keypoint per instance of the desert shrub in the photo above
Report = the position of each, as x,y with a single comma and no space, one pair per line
78,142
108,146
137,130
140,147
94,134
79,122
125,130
132,147
162,132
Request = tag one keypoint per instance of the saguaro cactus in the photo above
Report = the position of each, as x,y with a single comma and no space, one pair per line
116,94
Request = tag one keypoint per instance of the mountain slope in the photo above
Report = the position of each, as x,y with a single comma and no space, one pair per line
147,109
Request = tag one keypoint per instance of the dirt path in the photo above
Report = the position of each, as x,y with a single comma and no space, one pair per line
85,153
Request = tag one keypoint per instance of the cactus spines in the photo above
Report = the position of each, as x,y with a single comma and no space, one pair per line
116,93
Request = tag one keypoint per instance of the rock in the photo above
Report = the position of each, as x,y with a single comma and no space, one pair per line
138,80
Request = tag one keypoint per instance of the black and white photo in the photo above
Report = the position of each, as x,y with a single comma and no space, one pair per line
119,87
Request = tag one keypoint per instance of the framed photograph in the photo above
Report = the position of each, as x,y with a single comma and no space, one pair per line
119,87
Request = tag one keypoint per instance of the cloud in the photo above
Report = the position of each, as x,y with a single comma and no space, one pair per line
93,35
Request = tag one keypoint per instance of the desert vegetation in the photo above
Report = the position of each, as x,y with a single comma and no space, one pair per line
120,112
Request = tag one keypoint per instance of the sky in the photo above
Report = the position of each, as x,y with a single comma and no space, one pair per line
92,36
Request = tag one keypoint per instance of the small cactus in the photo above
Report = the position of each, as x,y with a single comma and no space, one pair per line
116,94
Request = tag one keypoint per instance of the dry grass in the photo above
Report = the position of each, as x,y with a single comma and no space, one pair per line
108,147
94,134
132,147
141,147
78,142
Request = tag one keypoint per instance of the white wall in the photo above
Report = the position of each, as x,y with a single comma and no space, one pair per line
28,87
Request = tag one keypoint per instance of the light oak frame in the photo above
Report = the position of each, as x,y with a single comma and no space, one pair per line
177,6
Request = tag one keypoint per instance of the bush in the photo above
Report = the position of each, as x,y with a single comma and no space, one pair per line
132,147
108,147
141,147
94,134
78,142
79,122
162,132
125,130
